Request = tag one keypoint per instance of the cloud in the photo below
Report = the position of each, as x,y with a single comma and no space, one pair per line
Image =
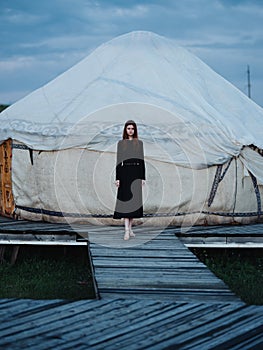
134,12
52,35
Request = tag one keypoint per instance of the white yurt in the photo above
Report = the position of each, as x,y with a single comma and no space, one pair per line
202,139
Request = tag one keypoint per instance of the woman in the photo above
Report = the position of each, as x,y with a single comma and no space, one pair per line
130,176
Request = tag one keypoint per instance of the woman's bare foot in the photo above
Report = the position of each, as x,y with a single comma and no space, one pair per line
126,235
132,234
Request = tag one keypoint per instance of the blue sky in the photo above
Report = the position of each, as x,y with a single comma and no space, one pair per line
41,39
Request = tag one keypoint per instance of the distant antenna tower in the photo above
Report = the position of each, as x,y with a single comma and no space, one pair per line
248,82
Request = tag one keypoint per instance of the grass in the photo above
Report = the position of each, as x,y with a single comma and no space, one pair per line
53,273
47,273
240,269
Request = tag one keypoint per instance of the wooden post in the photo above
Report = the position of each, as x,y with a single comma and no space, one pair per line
7,205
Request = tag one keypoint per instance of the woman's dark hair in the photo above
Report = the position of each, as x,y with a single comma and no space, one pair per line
125,135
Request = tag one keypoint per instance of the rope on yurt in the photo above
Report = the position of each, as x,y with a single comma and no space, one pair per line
31,156
215,184
256,149
257,193
235,195
217,179
148,215
19,146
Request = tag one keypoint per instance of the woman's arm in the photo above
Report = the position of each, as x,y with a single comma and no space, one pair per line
142,163
118,161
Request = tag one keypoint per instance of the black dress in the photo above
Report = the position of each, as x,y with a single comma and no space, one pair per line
130,170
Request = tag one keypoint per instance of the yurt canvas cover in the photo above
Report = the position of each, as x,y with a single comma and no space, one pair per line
202,138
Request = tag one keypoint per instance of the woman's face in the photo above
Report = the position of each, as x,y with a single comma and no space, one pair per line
130,130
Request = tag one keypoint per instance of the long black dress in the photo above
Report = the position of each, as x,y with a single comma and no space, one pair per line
130,170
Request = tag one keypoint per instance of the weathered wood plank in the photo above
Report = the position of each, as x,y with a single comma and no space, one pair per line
11,308
206,236
39,239
177,289
142,253
150,277
170,270
243,236
143,263
40,319
188,336
130,324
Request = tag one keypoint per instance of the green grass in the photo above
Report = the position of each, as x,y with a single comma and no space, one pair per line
56,273
47,273
240,269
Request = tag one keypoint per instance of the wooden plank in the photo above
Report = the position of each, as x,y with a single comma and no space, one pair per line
25,228
7,222
191,337
243,236
28,239
221,230
116,321
46,243
146,331
140,331
229,245
142,324
11,308
130,324
234,242
233,236
170,270
145,253
236,323
161,284
39,237
164,264
42,318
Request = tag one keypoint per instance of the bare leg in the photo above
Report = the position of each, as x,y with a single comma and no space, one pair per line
127,229
130,228
130,223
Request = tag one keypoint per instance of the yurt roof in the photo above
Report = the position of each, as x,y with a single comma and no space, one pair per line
140,76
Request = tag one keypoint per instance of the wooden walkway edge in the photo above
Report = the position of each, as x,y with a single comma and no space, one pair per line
224,236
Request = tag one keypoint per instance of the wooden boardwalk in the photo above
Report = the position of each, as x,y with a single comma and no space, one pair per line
155,294
128,324
224,236
152,265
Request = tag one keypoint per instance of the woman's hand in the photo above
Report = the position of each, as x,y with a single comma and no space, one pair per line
117,183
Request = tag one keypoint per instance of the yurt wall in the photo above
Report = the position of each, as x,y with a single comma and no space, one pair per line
78,185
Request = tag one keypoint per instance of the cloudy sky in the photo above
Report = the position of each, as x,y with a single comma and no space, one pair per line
41,39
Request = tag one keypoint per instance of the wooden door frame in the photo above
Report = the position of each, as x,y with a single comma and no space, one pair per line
7,205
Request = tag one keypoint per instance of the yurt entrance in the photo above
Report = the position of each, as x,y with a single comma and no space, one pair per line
6,196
